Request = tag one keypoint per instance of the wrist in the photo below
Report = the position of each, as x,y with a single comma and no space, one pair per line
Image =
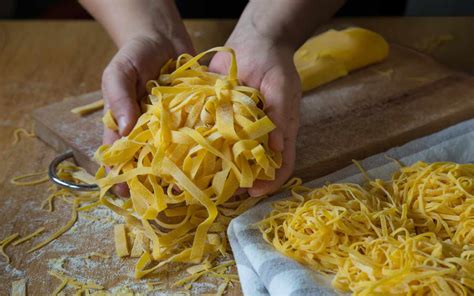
130,20
286,23
262,24
175,38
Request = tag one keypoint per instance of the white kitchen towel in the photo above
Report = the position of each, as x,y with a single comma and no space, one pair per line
264,271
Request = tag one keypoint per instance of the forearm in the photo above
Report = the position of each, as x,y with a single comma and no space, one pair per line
127,19
288,22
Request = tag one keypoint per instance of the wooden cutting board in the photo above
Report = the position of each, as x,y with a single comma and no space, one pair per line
407,96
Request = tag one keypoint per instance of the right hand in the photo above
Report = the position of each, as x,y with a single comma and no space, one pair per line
148,33
124,79
123,83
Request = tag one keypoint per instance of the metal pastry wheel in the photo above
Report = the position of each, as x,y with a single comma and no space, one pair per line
53,176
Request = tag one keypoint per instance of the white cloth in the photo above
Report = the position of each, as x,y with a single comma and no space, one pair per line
264,271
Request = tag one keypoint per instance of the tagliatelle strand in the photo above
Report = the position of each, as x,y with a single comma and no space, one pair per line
61,230
201,136
109,121
21,131
18,180
4,243
18,288
412,234
89,108
79,286
29,236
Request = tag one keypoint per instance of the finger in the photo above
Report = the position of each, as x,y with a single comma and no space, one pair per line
283,109
119,83
282,104
123,84
121,190
124,79
262,187
109,136
240,191
276,139
220,63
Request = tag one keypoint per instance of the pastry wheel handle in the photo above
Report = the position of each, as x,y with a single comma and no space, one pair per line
63,183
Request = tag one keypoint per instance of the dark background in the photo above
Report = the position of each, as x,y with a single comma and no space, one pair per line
71,9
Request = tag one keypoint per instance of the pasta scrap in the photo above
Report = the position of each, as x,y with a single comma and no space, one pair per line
29,236
139,245
61,230
80,201
21,131
18,288
411,235
18,180
79,286
120,237
89,108
4,243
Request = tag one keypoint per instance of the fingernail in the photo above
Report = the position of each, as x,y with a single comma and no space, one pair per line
122,123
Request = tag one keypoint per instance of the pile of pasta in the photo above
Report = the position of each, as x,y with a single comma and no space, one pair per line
411,235
201,136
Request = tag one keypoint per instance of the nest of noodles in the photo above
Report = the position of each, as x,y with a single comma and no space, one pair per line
201,136
411,235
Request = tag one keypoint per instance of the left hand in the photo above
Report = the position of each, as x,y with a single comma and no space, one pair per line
268,66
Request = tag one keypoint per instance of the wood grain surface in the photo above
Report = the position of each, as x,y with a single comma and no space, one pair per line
44,62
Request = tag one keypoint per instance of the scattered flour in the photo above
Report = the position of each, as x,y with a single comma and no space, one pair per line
95,228
12,271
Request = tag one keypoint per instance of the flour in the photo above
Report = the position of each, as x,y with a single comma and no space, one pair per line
74,254
12,271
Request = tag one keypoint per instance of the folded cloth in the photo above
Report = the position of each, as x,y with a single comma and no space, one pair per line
264,271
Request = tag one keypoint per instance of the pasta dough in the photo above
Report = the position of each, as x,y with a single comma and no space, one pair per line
334,54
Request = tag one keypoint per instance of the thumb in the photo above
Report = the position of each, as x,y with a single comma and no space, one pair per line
119,83
124,79
220,63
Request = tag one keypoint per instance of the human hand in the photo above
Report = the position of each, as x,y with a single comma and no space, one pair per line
123,83
268,66
124,79
147,33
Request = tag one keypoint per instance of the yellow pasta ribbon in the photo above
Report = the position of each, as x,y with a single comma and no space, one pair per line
18,288
201,136
61,230
411,235
89,108
109,121
21,131
81,201
79,287
29,236
19,180
4,243
120,237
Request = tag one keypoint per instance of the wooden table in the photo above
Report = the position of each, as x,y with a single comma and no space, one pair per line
42,62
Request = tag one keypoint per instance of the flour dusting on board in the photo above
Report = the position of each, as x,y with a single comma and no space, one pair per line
86,254
77,253
12,271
